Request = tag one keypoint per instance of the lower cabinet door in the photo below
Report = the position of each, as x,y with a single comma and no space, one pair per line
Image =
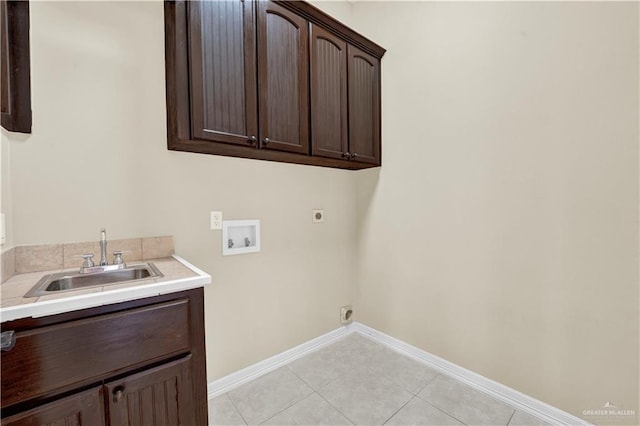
159,396
81,409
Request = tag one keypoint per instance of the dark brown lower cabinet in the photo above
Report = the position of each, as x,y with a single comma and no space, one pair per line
81,409
158,396
134,363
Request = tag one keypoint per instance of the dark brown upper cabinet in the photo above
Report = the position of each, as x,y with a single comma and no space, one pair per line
329,120
271,80
222,44
283,71
364,106
15,69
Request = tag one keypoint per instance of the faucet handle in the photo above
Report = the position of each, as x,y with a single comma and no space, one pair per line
88,260
117,258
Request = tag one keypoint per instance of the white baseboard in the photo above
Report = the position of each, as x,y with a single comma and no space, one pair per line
498,391
240,377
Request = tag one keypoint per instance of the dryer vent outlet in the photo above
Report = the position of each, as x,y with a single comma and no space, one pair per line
346,314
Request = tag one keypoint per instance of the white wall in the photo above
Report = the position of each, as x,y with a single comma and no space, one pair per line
501,232
98,158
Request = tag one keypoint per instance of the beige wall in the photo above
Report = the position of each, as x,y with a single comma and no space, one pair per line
97,158
5,187
502,231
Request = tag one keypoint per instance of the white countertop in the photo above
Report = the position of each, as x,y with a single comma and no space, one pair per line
178,274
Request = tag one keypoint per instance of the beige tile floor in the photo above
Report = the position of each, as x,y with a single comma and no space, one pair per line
358,381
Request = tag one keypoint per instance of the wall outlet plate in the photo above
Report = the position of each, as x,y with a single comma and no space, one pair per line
346,314
216,220
318,215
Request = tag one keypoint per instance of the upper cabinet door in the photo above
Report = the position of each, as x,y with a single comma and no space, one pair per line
328,94
283,79
15,68
223,71
364,106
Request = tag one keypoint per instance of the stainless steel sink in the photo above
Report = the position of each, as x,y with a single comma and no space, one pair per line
67,281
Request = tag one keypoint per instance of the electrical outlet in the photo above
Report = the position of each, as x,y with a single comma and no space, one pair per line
346,313
318,216
216,220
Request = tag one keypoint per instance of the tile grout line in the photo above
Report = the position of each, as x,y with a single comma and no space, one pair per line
317,391
289,406
435,406
235,407
328,402
401,407
427,384
370,371
451,414
296,401
402,387
337,409
303,380
441,410
375,373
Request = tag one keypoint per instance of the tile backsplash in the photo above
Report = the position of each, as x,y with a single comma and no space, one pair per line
46,257
8,264
38,258
156,247
131,248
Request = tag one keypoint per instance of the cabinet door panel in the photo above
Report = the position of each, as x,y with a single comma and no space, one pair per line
364,106
283,79
82,409
5,97
328,94
223,55
15,68
158,396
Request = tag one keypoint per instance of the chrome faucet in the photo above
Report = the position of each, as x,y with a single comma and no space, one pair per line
103,247
88,267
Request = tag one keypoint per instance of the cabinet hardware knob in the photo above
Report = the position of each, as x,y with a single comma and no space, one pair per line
346,155
252,140
8,340
354,156
266,141
118,393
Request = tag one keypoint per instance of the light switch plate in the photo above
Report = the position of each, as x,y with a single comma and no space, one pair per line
318,215
216,220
